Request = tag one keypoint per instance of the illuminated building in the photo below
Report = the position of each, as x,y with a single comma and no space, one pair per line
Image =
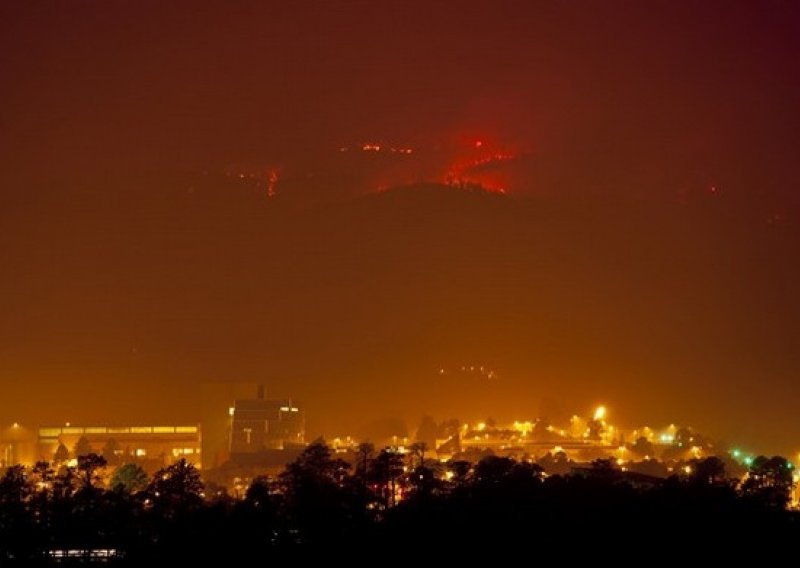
16,445
8,454
151,446
259,424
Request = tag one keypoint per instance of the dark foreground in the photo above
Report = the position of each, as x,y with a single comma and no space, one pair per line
387,511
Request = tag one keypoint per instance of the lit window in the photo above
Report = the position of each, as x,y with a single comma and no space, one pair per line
141,452
49,432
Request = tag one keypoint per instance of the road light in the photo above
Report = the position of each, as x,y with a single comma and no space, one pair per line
599,412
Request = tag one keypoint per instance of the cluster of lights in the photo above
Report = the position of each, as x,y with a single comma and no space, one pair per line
376,147
524,428
264,180
342,445
473,369
485,161
593,431
468,172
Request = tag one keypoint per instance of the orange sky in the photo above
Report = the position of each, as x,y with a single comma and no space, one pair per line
645,255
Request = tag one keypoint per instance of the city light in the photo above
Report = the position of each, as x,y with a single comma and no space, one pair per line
403,278
600,413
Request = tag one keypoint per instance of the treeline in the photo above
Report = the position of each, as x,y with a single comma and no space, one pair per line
387,501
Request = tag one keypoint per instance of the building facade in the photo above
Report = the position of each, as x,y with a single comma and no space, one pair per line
151,446
260,424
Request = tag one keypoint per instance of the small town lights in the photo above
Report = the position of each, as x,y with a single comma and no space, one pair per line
523,427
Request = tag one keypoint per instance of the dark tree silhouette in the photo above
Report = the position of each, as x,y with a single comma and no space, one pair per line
82,447
89,467
708,471
651,467
316,461
770,481
595,428
492,469
685,438
643,448
260,492
61,454
65,483
16,526
129,478
364,455
176,489
42,475
317,504
313,488
256,518
555,464
14,485
460,469
604,470
424,481
388,468
418,450
111,452
527,471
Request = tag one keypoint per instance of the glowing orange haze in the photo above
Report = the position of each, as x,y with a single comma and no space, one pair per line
644,254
